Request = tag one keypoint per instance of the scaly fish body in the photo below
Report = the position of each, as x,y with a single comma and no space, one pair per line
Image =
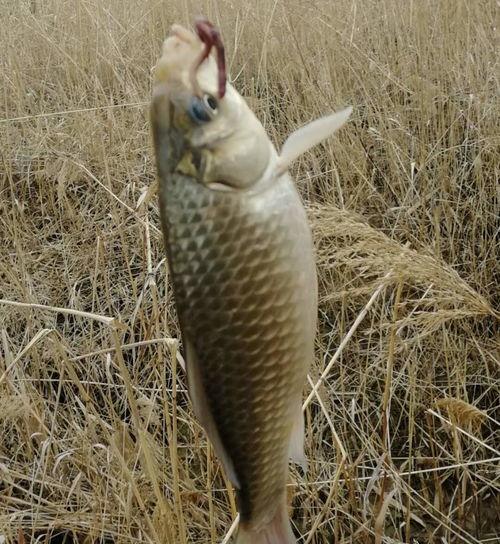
241,260
244,281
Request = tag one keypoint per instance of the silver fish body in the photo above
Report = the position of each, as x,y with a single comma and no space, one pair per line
245,288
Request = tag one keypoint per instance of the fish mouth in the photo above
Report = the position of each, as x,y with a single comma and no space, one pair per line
169,121
176,90
184,52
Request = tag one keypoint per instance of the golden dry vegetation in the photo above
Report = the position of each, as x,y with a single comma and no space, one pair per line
98,441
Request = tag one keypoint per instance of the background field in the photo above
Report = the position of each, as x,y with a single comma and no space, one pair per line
98,441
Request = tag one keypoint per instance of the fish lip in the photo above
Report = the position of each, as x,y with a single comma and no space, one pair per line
182,33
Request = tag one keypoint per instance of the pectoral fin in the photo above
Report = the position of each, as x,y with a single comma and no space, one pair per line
308,136
296,448
203,412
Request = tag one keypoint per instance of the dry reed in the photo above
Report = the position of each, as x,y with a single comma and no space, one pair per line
98,442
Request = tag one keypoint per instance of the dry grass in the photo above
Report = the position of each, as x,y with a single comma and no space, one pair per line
98,438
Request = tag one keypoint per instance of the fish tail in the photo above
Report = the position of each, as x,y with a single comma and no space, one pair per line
277,531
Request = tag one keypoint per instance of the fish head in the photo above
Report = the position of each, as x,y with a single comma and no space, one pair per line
202,127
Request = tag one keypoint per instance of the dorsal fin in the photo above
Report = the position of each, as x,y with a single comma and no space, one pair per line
308,136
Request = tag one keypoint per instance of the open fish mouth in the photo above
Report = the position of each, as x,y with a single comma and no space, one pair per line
184,52
189,84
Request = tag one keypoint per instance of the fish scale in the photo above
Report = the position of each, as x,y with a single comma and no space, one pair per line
242,269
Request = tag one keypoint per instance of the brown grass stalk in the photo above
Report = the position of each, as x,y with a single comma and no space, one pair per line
98,439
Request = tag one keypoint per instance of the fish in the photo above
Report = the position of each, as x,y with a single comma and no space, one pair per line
242,265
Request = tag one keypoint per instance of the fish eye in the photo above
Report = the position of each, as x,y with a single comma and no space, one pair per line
202,110
210,102
198,111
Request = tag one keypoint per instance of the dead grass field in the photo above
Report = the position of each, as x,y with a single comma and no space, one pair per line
98,441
